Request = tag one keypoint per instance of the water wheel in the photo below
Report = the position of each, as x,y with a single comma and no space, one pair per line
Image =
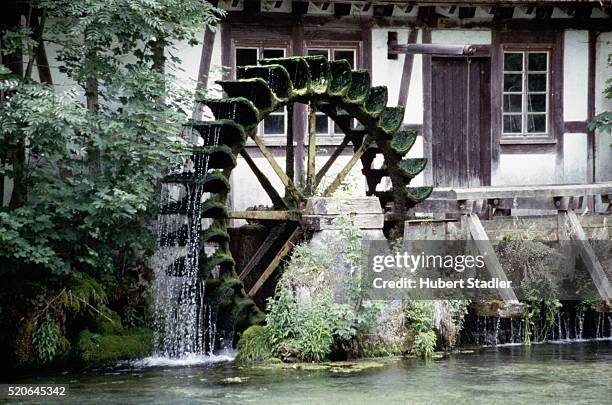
331,87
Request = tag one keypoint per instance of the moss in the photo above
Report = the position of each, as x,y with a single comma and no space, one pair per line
254,345
239,109
25,353
276,76
411,167
215,234
360,86
403,141
390,119
320,73
418,194
377,100
107,324
341,77
213,209
252,229
100,349
298,70
227,132
255,89
215,182
219,259
213,157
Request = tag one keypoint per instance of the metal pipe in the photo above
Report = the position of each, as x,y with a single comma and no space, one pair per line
434,49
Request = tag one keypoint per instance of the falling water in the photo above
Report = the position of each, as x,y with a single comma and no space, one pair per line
580,324
497,331
180,313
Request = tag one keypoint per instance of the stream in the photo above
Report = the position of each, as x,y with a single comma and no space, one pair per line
577,372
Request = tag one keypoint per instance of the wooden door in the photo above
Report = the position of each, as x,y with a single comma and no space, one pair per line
461,122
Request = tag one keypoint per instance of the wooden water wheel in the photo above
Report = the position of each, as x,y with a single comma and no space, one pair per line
331,87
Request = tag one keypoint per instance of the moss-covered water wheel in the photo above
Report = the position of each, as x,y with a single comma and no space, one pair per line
332,87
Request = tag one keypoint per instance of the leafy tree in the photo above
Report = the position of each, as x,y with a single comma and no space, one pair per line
85,164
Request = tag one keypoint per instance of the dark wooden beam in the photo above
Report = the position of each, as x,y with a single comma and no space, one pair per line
407,71
337,152
267,215
289,148
277,201
299,111
208,43
312,149
575,127
467,12
284,251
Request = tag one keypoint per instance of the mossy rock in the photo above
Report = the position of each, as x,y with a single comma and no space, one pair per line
101,349
221,132
255,89
377,100
276,76
238,109
402,141
108,323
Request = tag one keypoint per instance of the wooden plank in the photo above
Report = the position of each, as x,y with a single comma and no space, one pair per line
208,44
402,99
267,215
267,244
289,149
330,162
312,149
339,206
288,245
299,111
427,108
345,170
287,182
276,199
325,222
543,191
485,248
588,256
441,50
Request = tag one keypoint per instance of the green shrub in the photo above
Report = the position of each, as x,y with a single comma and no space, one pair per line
315,340
46,339
425,344
254,345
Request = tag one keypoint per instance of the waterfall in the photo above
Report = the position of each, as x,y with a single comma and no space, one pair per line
184,325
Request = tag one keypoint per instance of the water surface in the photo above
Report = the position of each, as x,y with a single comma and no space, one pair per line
544,373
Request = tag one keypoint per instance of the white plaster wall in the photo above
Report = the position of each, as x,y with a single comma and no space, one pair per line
516,170
603,140
575,75
575,158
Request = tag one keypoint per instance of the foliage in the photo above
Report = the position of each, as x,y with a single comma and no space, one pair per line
75,234
46,338
419,315
99,349
425,344
540,317
254,345
603,120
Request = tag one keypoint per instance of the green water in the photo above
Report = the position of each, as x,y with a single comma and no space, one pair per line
546,373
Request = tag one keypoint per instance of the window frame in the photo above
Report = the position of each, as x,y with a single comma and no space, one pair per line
525,93
528,42
261,46
331,46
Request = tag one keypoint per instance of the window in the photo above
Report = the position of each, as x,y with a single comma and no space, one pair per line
275,123
525,94
325,126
